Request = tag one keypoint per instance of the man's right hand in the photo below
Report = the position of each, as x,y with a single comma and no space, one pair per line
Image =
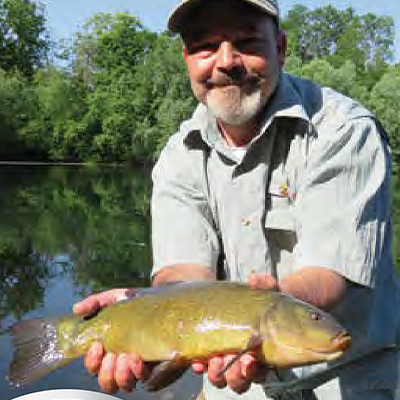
115,371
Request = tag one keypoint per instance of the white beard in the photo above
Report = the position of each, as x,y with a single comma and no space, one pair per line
233,107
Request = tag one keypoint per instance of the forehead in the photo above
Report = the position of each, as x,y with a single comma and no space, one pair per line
225,18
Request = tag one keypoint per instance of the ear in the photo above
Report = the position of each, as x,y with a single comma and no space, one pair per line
281,46
184,52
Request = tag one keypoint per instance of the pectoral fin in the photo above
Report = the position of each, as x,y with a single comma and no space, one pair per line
165,373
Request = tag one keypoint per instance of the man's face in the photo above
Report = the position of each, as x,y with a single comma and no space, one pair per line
234,55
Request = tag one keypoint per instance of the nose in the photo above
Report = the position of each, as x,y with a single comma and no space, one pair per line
228,57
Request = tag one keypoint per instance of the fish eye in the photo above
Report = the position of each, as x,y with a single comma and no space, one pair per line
316,316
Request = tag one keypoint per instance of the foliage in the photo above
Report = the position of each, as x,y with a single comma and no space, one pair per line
14,112
340,35
136,101
384,99
125,89
23,41
164,91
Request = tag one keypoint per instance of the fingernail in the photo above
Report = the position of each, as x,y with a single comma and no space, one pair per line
109,361
247,366
121,297
216,362
95,349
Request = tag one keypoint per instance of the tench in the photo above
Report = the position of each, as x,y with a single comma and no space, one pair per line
181,323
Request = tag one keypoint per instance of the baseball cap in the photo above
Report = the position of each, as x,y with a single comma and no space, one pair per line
177,16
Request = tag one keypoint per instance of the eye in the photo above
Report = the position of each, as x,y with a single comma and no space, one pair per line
249,44
316,316
203,47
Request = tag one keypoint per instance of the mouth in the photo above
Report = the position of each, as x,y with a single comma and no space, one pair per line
227,85
250,80
333,350
342,341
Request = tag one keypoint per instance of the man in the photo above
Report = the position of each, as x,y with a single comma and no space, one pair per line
276,182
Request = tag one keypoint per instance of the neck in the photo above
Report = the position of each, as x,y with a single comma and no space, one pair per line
239,135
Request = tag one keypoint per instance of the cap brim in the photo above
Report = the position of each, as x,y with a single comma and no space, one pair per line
177,15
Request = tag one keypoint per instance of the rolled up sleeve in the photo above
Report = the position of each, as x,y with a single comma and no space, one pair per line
183,229
342,206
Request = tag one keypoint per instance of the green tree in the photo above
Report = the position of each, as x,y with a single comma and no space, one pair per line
293,65
345,79
314,33
15,103
23,41
340,35
56,108
164,91
108,43
107,54
367,41
383,100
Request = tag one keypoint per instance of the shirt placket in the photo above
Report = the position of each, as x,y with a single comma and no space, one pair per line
243,206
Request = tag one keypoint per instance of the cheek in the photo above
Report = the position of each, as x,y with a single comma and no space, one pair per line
199,70
260,65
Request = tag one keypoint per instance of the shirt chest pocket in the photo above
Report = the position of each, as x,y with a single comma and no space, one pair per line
280,230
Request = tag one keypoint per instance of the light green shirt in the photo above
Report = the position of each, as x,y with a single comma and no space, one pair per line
312,189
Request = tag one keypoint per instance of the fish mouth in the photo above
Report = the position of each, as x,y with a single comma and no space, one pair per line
342,341
334,350
314,355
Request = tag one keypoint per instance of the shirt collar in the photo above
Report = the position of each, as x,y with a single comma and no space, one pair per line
285,103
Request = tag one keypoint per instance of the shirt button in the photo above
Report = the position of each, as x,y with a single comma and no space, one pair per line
246,222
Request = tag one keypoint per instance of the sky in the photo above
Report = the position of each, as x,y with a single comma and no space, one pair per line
65,17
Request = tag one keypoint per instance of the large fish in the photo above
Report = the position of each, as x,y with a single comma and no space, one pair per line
181,323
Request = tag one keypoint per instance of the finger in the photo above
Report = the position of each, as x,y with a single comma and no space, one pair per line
267,281
94,358
263,281
199,367
234,376
93,303
139,368
87,306
214,372
253,279
107,372
123,373
253,370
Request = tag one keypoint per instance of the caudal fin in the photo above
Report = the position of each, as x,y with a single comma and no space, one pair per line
36,350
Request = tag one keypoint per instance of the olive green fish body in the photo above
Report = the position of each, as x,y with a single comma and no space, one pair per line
186,322
193,321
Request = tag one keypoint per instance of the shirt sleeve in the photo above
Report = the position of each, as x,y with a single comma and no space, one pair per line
342,205
183,230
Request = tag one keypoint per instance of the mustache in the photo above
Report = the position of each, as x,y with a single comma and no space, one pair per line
237,78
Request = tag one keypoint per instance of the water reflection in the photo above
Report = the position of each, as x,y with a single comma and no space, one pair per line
97,219
66,232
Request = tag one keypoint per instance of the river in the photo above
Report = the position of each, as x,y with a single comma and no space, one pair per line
66,232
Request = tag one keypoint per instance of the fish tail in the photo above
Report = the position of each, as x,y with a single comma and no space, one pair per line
41,346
